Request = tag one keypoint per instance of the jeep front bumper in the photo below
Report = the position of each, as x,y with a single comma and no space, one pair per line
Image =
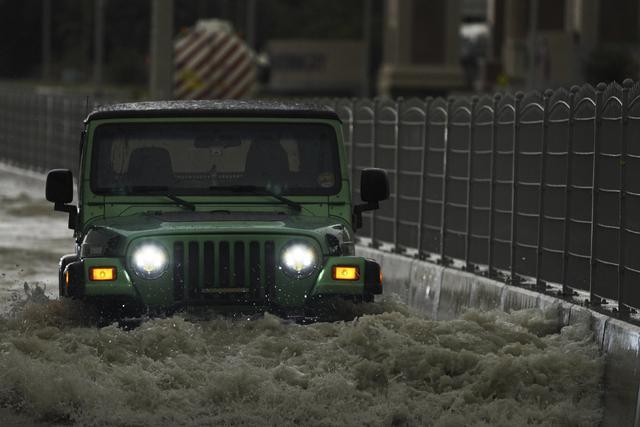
182,284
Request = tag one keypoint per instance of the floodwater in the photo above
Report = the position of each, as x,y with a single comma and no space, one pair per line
387,367
32,235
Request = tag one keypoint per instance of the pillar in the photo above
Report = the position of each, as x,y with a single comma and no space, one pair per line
421,48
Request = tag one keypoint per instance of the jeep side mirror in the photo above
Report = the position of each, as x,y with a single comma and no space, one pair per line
59,190
60,186
374,187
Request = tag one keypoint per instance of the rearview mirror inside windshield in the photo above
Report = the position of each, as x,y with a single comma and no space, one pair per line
220,140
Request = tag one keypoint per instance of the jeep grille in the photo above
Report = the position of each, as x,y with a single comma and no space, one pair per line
221,270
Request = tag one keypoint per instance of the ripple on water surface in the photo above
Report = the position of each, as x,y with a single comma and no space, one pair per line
388,367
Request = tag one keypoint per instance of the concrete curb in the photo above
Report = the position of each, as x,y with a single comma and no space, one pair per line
444,293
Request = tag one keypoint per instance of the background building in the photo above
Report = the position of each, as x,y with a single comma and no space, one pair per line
429,46
330,47
555,42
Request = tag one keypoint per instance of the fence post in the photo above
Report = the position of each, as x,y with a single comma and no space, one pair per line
423,176
396,200
540,284
48,133
3,130
467,246
352,147
513,279
567,194
492,184
31,157
445,174
623,310
26,152
37,157
8,131
38,122
43,150
374,145
593,260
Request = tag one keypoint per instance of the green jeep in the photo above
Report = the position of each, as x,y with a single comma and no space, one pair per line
243,206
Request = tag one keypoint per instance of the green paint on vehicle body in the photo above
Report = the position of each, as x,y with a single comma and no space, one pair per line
220,252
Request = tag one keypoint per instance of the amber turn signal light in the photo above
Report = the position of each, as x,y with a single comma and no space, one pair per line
102,274
346,272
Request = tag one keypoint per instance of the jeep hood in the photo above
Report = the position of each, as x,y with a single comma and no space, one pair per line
127,228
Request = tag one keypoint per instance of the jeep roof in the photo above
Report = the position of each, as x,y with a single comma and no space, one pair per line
230,108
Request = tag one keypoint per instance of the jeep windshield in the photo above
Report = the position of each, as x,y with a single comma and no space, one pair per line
215,158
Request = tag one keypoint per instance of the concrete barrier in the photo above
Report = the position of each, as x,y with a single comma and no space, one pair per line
445,293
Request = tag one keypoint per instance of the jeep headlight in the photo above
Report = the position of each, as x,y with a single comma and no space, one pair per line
298,259
149,260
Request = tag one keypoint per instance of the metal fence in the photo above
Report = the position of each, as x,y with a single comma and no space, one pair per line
534,188
42,131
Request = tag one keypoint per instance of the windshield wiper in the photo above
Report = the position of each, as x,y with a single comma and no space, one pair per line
181,202
254,189
164,190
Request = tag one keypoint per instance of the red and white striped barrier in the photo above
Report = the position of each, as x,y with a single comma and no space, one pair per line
212,62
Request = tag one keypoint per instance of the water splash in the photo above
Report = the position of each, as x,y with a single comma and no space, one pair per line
388,367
